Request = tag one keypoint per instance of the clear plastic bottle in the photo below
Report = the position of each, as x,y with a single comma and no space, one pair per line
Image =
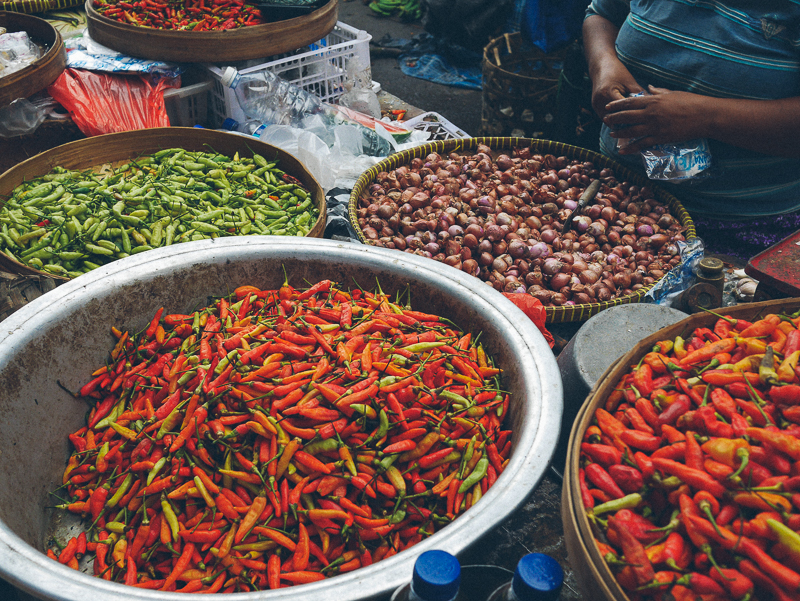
538,577
268,98
251,127
436,577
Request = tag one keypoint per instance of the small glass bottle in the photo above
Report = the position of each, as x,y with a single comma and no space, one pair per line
436,577
538,577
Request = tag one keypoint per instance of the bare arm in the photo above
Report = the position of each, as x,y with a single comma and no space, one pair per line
767,126
610,79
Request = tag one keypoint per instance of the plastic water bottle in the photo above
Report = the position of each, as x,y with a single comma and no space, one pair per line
267,100
538,577
251,127
266,97
436,577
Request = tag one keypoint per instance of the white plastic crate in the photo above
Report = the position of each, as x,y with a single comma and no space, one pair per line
320,69
188,106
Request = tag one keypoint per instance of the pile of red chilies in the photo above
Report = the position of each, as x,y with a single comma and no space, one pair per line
186,15
691,469
278,437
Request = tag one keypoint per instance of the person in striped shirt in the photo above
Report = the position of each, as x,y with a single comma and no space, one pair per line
724,70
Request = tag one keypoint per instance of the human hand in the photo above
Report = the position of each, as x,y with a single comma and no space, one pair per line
612,82
663,117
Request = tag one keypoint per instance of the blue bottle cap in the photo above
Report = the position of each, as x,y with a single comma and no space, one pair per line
538,577
229,124
437,576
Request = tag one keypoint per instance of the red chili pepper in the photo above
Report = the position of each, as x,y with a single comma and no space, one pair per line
628,478
634,553
641,440
598,476
678,407
693,477
601,453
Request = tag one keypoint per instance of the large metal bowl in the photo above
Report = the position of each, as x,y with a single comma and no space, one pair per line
65,334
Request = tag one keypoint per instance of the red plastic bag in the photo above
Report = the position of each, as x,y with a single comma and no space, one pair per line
535,311
102,103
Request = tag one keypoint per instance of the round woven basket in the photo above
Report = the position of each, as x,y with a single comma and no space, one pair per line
561,314
43,71
97,152
220,46
520,88
592,572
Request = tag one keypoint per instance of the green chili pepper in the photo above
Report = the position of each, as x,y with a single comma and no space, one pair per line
477,474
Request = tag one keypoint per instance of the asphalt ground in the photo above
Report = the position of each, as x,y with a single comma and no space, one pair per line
461,107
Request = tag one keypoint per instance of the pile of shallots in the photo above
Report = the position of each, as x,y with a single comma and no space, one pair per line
502,220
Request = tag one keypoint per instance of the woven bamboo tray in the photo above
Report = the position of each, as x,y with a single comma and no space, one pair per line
97,151
37,76
561,314
592,572
231,45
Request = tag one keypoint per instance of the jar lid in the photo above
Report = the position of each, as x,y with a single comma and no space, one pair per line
538,577
437,576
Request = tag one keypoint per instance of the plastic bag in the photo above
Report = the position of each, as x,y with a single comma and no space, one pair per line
24,116
359,95
102,103
17,51
338,165
535,311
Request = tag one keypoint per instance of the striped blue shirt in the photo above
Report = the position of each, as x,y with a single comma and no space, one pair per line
732,49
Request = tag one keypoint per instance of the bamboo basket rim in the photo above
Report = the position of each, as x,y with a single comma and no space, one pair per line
563,314
599,393
162,137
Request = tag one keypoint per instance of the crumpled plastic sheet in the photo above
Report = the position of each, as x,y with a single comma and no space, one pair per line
679,278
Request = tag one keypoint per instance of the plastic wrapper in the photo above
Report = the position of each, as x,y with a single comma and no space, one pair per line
24,116
85,53
677,162
103,103
681,277
17,51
